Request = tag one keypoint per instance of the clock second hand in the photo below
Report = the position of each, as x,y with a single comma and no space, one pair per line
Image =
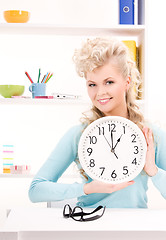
112,149
107,141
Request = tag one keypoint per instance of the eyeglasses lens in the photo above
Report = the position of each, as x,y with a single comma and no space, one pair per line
77,213
67,211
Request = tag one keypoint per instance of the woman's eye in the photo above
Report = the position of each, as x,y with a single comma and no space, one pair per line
92,85
109,82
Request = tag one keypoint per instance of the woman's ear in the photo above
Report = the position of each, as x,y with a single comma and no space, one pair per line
128,81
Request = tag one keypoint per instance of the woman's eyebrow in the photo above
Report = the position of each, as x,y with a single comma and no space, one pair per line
90,81
111,78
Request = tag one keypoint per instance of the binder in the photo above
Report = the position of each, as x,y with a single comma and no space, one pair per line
131,44
141,12
126,11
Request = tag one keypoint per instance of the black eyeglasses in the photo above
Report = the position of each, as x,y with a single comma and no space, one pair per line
79,215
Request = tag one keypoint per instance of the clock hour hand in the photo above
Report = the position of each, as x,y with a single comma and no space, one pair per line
117,143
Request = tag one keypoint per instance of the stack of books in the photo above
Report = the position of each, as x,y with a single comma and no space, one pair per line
7,157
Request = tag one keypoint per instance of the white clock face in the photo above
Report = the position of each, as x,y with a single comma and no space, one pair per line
112,149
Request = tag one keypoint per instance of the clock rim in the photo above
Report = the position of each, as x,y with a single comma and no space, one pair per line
104,119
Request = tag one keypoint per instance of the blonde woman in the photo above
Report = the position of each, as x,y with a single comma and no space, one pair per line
110,77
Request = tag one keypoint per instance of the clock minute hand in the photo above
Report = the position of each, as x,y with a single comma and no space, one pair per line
112,140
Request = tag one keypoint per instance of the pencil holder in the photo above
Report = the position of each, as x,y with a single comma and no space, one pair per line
37,89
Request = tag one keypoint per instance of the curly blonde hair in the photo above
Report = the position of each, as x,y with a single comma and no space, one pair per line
97,52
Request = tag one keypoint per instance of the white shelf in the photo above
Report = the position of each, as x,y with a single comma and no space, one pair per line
42,101
65,178
51,101
49,29
9,175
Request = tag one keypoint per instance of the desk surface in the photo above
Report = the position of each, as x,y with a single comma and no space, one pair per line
51,219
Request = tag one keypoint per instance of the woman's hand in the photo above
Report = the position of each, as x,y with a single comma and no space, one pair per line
100,187
150,167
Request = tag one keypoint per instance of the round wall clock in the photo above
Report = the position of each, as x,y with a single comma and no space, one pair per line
112,149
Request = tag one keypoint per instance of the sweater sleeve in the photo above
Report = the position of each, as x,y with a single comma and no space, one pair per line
159,180
44,186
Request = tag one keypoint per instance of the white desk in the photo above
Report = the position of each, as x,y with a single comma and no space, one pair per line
48,223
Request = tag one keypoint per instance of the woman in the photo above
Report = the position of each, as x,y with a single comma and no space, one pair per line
111,80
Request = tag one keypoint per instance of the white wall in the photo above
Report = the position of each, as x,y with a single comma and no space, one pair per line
155,77
37,138
156,45
35,130
76,12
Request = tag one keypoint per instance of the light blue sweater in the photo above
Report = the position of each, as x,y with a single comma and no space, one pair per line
44,187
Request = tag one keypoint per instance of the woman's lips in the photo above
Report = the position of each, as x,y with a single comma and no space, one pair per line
104,101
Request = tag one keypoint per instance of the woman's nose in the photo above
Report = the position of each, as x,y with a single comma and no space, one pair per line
101,91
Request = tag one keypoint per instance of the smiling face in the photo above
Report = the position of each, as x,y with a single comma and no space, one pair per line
107,90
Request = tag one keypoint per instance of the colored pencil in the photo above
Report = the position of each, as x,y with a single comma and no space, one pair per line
39,75
49,77
29,77
45,78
